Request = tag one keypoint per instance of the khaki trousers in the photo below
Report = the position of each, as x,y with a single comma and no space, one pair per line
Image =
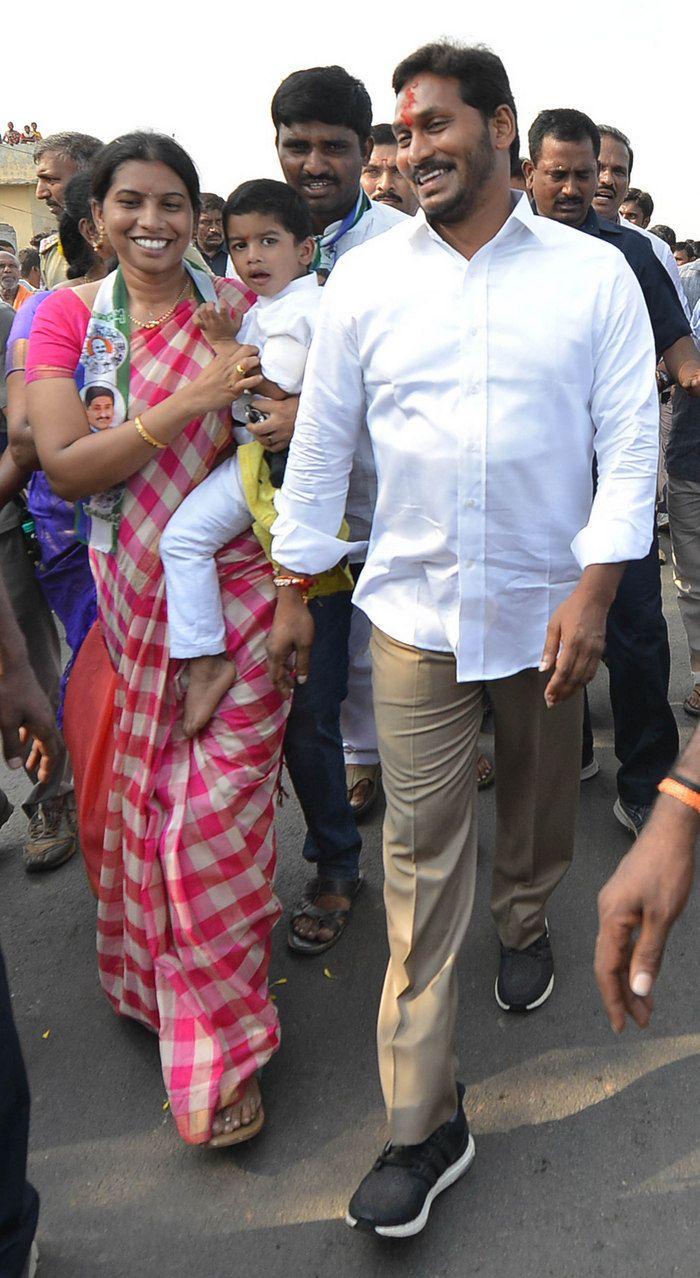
428,725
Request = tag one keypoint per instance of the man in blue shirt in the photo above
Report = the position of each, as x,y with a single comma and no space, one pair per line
562,177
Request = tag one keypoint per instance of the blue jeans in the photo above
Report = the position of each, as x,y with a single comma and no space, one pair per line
313,745
638,660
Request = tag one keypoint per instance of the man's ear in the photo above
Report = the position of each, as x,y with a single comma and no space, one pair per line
366,151
528,173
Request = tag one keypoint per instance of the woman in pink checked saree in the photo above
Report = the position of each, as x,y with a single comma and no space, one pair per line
186,904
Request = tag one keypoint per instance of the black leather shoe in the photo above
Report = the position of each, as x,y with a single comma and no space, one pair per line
395,1198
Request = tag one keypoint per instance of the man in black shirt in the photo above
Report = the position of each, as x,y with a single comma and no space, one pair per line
562,177
210,233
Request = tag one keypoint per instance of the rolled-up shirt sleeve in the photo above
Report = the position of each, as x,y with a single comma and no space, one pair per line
625,412
311,503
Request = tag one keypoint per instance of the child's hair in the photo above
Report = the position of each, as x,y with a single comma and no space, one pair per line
263,195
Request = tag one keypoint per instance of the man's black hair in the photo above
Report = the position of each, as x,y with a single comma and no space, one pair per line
264,195
483,81
383,135
642,198
564,124
211,203
328,94
688,247
29,260
664,233
96,392
608,131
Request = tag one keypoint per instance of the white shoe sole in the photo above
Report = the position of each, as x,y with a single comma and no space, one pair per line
619,812
529,1007
411,1227
591,770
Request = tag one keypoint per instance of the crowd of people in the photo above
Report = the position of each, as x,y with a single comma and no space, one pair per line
325,472
12,136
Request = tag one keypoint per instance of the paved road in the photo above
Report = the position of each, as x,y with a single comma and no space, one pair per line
587,1145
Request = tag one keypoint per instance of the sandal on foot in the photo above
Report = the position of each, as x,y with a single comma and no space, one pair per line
489,775
691,705
335,920
237,1135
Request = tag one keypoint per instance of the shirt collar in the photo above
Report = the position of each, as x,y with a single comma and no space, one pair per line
299,285
594,224
521,215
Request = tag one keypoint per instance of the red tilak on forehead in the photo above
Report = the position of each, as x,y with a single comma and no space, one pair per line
409,103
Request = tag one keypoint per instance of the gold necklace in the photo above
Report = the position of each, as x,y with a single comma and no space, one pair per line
166,314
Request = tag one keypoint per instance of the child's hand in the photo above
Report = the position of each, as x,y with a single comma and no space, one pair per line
217,323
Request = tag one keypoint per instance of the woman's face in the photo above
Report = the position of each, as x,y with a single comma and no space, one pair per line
147,216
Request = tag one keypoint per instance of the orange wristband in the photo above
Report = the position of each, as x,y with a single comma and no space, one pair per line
680,792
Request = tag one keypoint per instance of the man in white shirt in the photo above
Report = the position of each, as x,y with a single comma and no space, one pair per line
323,119
491,564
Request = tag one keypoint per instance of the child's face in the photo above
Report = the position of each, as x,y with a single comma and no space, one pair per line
265,255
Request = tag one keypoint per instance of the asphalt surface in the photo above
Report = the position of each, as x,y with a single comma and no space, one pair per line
588,1159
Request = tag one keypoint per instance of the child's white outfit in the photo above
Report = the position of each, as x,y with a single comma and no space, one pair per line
217,511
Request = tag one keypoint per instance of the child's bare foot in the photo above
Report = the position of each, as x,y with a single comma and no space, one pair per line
210,680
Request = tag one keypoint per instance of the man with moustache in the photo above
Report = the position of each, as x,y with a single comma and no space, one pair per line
57,158
615,169
380,176
323,120
491,563
562,177
210,234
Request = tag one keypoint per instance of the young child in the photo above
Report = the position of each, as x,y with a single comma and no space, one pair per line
270,241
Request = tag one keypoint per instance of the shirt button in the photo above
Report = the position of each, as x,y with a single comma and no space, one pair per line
471,502
469,563
474,390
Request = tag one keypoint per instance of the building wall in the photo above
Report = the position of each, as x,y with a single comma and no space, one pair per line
19,206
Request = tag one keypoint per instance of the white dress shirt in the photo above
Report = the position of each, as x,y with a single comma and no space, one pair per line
487,386
362,488
666,258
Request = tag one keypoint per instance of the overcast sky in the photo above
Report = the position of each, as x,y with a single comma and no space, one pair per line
209,82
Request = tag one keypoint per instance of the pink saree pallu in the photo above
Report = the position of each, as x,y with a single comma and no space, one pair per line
186,904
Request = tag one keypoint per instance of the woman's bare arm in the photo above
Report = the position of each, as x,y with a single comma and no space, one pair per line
19,434
78,462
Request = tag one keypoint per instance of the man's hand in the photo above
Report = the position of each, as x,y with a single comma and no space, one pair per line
276,431
689,376
647,891
576,632
290,639
25,713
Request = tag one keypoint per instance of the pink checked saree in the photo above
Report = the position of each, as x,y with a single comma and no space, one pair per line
186,904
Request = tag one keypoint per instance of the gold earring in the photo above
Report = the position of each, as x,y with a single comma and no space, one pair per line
97,243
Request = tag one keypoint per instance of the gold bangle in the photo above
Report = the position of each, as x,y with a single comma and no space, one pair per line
146,436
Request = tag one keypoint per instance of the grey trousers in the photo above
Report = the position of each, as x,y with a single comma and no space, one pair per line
37,625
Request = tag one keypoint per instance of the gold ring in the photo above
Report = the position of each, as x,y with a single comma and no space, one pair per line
240,370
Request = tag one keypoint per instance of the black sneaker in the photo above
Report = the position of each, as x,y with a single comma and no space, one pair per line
525,977
395,1198
633,817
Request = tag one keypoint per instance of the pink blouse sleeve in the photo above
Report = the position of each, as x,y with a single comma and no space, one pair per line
57,336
